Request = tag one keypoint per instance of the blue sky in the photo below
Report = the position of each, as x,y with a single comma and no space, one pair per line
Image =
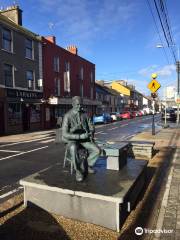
119,36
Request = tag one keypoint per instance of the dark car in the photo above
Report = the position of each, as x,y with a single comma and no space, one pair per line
170,114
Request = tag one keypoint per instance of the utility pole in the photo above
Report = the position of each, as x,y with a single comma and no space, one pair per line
178,90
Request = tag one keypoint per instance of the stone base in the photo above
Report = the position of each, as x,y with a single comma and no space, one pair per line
142,150
105,198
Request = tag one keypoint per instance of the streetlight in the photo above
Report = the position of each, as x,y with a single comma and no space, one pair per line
178,77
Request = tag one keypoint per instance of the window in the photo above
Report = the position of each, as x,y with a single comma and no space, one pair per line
30,79
81,73
92,92
56,64
8,75
91,77
14,114
67,77
81,90
29,48
57,87
6,40
35,113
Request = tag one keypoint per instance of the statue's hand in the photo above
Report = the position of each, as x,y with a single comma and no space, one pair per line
84,135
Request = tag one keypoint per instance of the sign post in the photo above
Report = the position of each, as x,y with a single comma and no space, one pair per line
153,87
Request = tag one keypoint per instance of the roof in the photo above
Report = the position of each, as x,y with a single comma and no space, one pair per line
19,28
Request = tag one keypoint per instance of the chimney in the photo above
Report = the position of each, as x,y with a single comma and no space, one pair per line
51,39
72,49
14,13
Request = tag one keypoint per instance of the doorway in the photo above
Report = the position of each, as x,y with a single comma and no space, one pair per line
26,117
1,118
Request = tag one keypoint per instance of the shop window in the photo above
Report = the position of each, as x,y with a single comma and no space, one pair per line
29,48
35,113
8,75
30,79
14,114
56,64
6,40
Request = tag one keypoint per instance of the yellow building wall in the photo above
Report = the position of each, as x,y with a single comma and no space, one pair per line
120,88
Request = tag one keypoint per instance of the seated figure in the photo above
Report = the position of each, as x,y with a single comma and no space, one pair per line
77,130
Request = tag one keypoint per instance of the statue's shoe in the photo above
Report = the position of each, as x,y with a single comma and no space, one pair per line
79,176
91,170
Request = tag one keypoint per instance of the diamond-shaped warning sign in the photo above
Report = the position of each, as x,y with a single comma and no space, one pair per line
154,85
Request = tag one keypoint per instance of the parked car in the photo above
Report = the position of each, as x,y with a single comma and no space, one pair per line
118,116
170,114
140,114
133,114
102,118
114,116
126,115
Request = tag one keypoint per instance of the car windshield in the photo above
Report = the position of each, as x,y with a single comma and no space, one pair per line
98,115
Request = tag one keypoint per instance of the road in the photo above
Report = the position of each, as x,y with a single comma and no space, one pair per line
20,159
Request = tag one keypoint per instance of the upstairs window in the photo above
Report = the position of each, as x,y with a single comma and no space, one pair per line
81,73
67,77
81,90
30,79
29,48
91,77
57,87
8,75
56,64
7,40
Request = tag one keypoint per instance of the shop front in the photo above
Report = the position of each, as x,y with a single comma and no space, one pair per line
23,111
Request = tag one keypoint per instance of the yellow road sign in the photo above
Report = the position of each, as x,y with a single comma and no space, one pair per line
154,85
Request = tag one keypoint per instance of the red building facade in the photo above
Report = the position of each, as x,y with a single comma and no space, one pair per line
65,75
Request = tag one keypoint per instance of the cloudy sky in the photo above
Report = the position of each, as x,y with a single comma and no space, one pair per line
119,36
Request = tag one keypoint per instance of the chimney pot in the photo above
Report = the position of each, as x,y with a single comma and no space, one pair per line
72,49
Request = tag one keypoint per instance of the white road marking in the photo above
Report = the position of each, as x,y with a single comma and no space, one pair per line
112,128
124,125
129,207
21,153
33,140
13,151
98,132
10,192
103,133
47,141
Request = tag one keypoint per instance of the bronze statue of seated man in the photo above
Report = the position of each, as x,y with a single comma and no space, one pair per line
78,130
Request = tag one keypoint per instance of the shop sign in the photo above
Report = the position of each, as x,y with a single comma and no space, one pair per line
14,93
53,100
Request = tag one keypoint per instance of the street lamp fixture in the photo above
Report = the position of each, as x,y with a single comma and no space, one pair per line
178,77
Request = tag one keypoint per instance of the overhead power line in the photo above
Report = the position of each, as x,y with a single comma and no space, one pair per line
157,29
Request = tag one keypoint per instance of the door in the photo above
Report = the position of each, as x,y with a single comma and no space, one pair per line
1,118
26,117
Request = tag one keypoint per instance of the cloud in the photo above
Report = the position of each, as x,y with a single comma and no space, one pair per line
165,71
88,20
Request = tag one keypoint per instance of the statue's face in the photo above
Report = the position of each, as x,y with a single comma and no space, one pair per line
77,105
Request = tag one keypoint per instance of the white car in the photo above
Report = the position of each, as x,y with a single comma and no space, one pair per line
114,116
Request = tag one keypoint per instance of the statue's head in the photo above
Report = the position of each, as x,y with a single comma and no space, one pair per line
77,103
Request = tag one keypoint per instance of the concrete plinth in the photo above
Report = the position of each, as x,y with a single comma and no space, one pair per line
104,198
116,156
142,150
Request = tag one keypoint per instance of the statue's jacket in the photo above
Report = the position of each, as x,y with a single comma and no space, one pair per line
70,127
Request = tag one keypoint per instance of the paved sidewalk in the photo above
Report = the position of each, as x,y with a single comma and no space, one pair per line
169,215
168,219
